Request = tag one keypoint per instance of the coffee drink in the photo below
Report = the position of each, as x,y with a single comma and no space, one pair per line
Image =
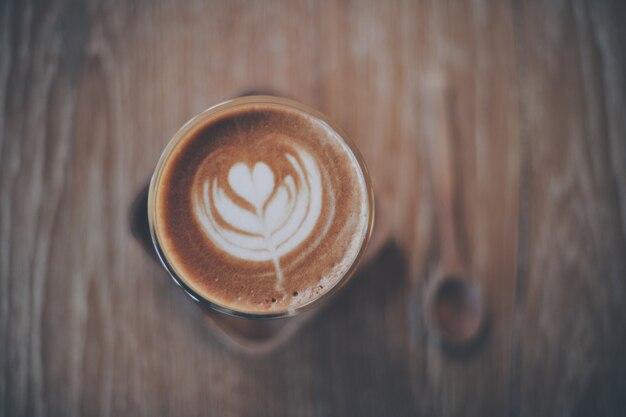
260,207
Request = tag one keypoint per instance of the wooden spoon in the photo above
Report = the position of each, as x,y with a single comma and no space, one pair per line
454,308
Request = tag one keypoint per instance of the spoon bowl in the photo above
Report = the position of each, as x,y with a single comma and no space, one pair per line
455,310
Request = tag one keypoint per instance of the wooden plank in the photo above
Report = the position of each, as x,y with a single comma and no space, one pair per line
573,331
474,44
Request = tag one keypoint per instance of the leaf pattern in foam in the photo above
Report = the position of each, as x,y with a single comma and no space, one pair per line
286,213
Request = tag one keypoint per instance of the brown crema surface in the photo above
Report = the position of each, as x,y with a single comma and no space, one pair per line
257,134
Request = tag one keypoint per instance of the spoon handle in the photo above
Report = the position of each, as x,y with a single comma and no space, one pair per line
440,157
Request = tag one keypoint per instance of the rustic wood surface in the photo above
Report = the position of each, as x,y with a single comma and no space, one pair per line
90,92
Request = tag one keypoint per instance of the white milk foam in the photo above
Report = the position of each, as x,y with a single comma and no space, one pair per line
284,214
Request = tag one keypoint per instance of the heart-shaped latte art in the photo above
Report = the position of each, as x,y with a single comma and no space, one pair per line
282,212
253,186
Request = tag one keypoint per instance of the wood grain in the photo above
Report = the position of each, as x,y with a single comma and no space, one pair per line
573,327
479,60
90,92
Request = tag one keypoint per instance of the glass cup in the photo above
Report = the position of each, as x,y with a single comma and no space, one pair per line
244,327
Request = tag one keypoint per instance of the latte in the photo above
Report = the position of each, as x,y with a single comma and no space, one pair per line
260,207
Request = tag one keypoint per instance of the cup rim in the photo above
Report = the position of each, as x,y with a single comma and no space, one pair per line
198,120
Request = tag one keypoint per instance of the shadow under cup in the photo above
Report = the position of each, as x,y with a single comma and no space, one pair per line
254,329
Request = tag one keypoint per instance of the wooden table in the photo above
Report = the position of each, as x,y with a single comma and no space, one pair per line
90,92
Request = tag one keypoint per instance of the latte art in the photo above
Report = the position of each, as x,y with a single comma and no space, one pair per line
260,208
276,217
